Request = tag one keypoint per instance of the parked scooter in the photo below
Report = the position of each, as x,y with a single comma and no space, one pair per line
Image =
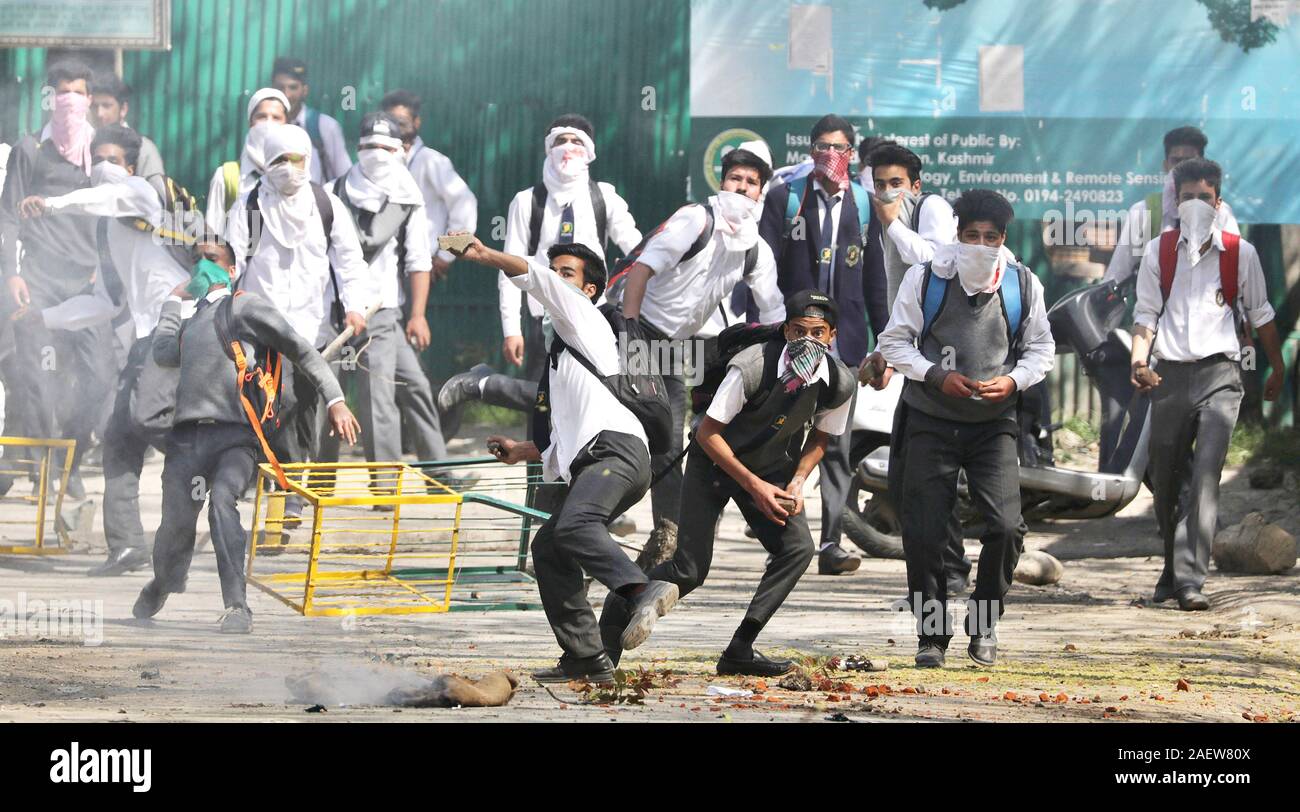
1085,322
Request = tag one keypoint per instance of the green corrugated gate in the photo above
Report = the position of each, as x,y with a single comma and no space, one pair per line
492,76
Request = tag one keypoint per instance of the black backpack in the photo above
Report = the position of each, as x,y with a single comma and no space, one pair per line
643,394
259,385
718,352
618,279
326,209
539,209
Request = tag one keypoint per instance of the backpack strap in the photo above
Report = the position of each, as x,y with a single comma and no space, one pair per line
1155,213
326,208
230,177
535,220
863,204
313,128
270,383
705,235
1228,265
798,187
1168,262
751,259
916,212
934,289
602,217
251,207
1013,300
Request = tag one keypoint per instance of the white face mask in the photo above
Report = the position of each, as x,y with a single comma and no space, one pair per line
568,160
737,220
979,268
105,172
1196,223
287,178
378,164
255,144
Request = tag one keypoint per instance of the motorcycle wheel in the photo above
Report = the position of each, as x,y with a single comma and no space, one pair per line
871,523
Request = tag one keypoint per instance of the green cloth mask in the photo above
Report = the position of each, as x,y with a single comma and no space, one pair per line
206,273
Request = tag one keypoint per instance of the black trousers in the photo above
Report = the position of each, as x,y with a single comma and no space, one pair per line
124,449
955,560
211,462
608,478
936,450
706,492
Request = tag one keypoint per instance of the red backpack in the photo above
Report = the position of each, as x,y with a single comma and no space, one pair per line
1228,280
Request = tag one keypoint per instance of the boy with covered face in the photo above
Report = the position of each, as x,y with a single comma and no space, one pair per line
752,448
970,332
1200,288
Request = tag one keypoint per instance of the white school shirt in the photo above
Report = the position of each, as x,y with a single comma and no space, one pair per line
449,203
1194,324
937,227
148,271
681,297
730,398
581,406
620,226
332,160
297,280
383,266
1135,232
906,319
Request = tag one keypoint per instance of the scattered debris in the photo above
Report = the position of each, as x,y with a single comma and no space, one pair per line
1266,477
731,693
857,663
316,709
1254,547
1038,568
151,673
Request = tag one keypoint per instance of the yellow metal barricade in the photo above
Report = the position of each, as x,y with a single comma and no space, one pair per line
385,539
27,522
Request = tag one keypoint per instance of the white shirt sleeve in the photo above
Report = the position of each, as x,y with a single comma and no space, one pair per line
79,312
898,341
834,421
664,250
762,283
1039,349
1252,291
337,159
1150,301
215,214
236,235
356,286
576,319
622,228
937,227
419,255
132,198
457,205
1123,262
510,297
730,397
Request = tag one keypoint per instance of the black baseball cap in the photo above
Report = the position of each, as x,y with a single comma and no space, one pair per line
380,124
812,304
290,66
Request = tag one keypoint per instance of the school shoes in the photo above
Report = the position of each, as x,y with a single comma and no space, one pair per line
592,669
150,602
834,561
929,654
756,665
983,649
1190,599
454,394
237,620
121,561
655,601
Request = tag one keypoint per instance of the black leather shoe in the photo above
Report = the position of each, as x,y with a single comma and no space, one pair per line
929,655
75,490
756,666
656,600
834,561
591,669
983,649
454,394
150,602
1190,599
120,561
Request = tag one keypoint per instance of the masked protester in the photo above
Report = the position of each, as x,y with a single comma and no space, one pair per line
267,109
784,384
289,76
1145,220
681,275
296,247
448,201
58,260
136,274
1200,291
388,208
212,440
824,235
966,362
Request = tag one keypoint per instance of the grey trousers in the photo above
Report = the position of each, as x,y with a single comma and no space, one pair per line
390,377
955,561
1193,412
608,478
836,476
124,449
212,461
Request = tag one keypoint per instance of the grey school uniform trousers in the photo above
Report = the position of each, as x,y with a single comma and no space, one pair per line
1193,412
390,378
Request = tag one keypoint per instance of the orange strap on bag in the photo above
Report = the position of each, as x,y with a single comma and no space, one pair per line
266,381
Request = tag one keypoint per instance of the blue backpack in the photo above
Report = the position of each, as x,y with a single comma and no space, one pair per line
934,289
799,186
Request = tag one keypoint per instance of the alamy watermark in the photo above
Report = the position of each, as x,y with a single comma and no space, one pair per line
79,620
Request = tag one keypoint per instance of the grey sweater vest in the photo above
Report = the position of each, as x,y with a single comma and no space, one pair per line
767,435
970,336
